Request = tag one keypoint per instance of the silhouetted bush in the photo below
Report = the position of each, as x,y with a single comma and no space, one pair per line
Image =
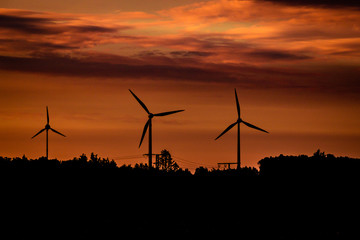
76,163
201,171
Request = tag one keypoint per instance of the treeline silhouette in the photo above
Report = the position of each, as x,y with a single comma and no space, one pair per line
105,205
42,163
166,166
244,172
302,166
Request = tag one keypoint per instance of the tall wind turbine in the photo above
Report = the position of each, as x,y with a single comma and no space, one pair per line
47,127
238,121
148,124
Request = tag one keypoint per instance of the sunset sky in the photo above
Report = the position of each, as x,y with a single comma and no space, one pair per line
295,65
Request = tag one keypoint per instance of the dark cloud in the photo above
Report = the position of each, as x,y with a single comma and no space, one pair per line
243,75
45,26
87,67
276,55
27,24
20,45
90,28
64,66
150,53
190,54
319,3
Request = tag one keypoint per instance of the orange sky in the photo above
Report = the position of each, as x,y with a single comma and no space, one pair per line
295,66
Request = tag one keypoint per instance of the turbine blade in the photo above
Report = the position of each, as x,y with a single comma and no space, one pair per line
227,129
167,113
141,103
38,133
57,132
255,127
144,131
47,114
237,104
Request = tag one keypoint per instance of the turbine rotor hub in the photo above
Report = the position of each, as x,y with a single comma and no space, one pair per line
151,115
47,126
239,120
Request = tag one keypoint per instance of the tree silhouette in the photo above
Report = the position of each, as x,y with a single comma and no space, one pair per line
166,163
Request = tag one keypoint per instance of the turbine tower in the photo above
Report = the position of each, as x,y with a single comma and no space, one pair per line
47,127
238,121
148,124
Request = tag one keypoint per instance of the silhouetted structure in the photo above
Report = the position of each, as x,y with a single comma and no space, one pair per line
157,157
164,161
47,128
148,124
238,121
225,165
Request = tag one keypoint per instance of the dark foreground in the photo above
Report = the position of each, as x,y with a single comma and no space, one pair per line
102,205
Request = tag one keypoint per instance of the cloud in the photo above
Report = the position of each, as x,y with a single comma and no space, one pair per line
92,28
265,54
128,68
32,33
318,3
21,45
218,11
251,43
30,25
190,54
60,66
44,26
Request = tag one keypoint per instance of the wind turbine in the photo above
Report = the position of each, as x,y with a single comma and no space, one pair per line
238,121
148,124
47,127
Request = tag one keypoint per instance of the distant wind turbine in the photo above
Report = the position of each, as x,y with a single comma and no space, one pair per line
238,121
148,124
47,127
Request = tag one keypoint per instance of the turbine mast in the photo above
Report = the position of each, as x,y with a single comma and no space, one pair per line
238,147
47,144
150,144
